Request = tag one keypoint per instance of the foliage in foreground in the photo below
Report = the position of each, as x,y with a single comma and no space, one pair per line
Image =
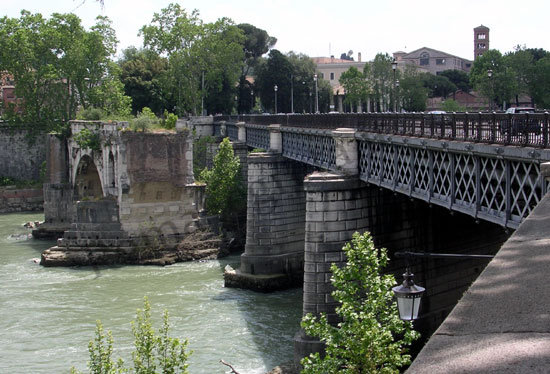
153,352
371,338
224,188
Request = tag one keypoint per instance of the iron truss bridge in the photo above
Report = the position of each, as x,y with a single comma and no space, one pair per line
485,165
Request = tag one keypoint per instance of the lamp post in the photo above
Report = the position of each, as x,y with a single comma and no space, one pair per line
275,88
409,294
394,68
251,100
316,94
397,96
490,75
291,93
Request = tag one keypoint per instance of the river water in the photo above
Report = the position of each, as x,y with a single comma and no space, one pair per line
48,314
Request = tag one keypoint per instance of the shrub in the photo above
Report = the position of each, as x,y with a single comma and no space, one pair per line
451,105
90,114
371,338
87,139
153,353
170,120
144,121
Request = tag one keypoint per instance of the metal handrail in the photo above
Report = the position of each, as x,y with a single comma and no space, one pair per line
522,129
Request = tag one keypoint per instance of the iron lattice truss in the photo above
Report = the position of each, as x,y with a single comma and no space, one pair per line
257,137
496,189
316,148
232,131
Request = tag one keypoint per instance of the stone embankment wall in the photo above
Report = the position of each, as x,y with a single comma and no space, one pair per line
21,200
20,159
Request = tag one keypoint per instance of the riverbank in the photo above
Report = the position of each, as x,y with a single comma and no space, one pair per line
13,199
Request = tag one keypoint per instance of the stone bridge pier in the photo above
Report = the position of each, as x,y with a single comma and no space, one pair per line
298,220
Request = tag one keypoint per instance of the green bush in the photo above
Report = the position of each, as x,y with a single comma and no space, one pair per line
144,121
170,120
90,114
88,139
371,338
153,352
451,105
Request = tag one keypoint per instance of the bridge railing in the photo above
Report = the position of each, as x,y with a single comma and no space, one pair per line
312,146
523,129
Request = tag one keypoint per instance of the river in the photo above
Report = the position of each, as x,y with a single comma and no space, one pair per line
48,314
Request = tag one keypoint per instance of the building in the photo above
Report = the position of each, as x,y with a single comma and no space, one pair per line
331,69
432,60
481,40
468,101
7,92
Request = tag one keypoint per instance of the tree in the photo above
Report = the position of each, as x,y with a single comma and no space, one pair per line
303,70
501,86
275,71
459,78
199,54
58,66
438,85
412,92
257,42
451,105
541,92
225,194
370,337
380,78
144,74
356,86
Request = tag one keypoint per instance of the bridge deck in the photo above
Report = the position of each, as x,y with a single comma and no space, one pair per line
502,323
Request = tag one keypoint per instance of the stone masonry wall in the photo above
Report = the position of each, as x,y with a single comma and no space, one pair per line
18,158
21,200
157,185
275,216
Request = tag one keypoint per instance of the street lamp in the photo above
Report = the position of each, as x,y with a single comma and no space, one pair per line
275,88
408,297
397,96
409,294
291,93
316,94
394,68
490,75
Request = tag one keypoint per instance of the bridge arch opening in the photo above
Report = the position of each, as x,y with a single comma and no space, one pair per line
87,181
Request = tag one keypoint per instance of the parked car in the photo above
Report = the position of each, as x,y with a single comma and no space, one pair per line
440,118
520,124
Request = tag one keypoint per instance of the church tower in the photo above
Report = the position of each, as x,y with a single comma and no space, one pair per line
481,40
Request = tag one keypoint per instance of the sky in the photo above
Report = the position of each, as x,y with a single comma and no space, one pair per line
323,28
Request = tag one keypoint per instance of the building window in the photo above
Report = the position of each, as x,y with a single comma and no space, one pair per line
481,36
440,61
481,45
424,59
322,75
331,76
468,65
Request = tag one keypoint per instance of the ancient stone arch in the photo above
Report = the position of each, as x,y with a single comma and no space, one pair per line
87,181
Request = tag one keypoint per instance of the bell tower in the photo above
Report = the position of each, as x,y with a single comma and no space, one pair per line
481,40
